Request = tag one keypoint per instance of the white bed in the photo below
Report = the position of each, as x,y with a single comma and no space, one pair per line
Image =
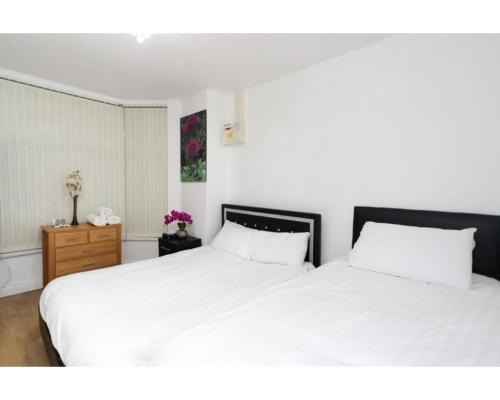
338,315
123,315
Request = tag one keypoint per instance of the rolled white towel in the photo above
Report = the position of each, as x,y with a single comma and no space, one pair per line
114,219
104,211
96,220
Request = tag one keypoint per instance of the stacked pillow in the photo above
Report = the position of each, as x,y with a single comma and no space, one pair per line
262,246
235,239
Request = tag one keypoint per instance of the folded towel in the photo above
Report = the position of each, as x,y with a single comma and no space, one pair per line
104,212
114,219
96,220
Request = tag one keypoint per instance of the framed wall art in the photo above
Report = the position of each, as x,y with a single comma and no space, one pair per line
194,147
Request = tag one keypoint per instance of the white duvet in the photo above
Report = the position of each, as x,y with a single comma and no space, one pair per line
123,315
339,316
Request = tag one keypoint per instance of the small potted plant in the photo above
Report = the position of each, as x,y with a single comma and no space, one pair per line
183,219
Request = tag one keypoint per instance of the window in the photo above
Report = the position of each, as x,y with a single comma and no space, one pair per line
146,170
44,135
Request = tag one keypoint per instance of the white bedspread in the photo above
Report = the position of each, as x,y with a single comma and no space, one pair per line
339,315
123,315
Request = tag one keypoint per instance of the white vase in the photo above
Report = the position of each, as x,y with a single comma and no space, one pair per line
181,234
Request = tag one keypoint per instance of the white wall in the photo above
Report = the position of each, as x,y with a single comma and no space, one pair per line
412,121
193,194
220,109
25,273
139,249
203,199
174,112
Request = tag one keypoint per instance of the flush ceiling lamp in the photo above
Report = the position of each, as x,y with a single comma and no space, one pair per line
141,37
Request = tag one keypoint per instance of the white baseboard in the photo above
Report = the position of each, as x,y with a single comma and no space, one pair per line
21,287
26,267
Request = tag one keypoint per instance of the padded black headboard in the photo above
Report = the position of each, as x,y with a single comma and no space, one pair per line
486,255
279,221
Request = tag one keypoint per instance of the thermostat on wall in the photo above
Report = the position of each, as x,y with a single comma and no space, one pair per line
232,134
228,132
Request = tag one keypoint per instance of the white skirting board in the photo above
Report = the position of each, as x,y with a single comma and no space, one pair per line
26,267
21,287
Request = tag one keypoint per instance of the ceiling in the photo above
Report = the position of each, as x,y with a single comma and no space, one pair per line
169,65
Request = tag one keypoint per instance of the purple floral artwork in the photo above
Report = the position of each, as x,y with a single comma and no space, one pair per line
193,122
194,147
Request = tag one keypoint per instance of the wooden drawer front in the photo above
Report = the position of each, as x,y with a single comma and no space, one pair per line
85,250
70,238
102,234
86,264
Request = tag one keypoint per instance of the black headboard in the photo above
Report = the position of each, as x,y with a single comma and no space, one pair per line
279,221
486,255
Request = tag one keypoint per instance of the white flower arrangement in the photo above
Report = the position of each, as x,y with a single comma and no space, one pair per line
74,183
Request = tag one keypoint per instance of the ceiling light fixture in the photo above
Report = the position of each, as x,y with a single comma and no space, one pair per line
141,37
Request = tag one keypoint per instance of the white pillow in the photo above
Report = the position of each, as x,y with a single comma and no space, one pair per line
235,239
280,247
442,256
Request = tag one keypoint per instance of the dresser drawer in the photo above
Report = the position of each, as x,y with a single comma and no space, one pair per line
86,264
85,250
79,248
103,234
70,238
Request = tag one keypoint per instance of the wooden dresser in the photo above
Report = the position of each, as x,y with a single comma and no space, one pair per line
79,248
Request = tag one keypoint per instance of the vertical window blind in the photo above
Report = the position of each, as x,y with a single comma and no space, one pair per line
146,170
44,135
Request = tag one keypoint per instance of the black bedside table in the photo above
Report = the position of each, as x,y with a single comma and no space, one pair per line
171,244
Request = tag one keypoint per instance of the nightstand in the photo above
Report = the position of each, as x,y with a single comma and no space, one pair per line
171,244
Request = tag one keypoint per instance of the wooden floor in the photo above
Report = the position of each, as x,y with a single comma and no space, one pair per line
20,340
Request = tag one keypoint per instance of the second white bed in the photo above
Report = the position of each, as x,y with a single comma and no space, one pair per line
338,315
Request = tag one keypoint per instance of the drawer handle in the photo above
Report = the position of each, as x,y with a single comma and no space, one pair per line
165,248
103,236
89,265
73,239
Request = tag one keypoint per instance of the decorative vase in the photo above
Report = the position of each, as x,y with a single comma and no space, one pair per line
75,221
181,234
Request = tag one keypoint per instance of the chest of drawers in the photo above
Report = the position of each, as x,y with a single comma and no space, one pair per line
79,248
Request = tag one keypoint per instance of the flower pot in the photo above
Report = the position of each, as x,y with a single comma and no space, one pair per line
181,234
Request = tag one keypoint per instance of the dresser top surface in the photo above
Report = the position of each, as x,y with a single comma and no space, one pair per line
76,228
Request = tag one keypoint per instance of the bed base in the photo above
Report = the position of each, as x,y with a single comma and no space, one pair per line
52,354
